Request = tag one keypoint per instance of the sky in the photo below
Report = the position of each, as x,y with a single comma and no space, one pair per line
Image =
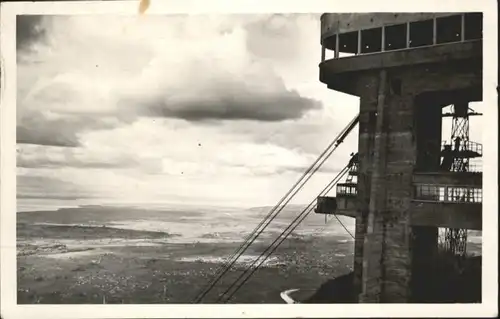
221,110
210,110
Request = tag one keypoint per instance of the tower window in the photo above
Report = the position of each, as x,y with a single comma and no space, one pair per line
371,40
395,37
329,42
348,42
421,33
473,26
449,29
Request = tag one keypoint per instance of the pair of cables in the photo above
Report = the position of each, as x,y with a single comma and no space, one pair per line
245,276
231,260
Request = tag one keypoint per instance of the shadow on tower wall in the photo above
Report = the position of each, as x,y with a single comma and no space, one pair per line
448,280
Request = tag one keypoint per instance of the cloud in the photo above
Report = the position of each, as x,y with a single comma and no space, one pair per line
40,157
43,187
168,159
29,29
192,68
232,101
227,81
52,129
215,108
276,36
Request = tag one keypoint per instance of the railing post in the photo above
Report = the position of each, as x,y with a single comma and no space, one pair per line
462,25
359,42
434,31
383,39
337,45
407,35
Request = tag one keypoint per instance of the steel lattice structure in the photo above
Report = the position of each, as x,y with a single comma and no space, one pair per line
455,240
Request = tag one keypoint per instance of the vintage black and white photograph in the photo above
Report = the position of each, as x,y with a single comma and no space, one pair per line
249,158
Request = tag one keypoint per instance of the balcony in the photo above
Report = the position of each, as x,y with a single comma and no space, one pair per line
360,34
341,74
467,149
447,206
448,215
470,178
360,45
344,206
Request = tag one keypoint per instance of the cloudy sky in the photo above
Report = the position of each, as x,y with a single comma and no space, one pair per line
220,110
209,110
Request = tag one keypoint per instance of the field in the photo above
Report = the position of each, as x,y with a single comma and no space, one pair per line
92,255
95,255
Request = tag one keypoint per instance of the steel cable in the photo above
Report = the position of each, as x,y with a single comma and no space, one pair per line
299,218
269,218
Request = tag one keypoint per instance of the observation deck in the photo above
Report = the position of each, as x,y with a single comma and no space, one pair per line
440,199
354,43
451,206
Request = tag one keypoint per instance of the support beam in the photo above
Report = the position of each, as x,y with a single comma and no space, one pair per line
373,271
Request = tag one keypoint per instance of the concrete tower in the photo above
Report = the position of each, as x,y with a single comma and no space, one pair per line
405,67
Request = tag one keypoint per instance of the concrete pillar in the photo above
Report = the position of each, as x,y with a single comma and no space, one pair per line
358,253
387,257
367,123
373,241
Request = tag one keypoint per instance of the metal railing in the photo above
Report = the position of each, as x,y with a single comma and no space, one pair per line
476,167
448,194
354,169
463,147
347,190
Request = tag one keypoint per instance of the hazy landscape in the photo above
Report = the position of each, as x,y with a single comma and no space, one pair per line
100,254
